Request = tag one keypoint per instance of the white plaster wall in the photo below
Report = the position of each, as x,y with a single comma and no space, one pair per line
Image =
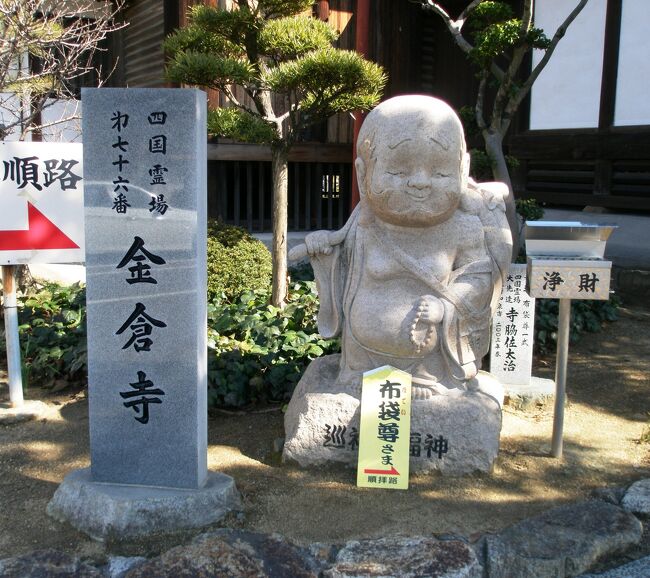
633,83
567,92
66,131
57,110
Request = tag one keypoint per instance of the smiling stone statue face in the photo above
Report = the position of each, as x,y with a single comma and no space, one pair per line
412,167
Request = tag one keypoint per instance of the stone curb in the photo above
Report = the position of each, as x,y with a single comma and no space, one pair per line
630,280
638,569
560,543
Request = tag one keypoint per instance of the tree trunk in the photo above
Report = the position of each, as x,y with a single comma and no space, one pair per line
494,150
24,279
280,172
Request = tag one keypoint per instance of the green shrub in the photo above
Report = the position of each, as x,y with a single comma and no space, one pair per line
301,272
52,327
239,125
586,315
480,166
257,352
237,262
529,209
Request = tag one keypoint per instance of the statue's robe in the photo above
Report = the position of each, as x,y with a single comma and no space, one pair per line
464,334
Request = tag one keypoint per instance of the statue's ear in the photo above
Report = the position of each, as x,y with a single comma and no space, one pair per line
360,166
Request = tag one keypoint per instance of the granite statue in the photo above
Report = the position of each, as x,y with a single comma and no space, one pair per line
413,277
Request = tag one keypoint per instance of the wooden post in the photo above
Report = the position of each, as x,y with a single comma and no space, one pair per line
561,360
11,335
363,16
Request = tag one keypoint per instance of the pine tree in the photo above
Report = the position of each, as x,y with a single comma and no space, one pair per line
292,77
45,47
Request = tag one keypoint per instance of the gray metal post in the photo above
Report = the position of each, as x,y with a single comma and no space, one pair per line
564,319
11,335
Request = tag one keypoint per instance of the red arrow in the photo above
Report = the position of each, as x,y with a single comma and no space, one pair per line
41,233
391,472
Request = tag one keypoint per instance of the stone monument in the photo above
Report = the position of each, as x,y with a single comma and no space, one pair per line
145,220
511,352
412,281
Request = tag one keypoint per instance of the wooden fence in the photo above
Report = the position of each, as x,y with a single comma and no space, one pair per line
608,168
240,191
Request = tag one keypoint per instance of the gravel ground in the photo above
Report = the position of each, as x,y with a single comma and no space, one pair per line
606,415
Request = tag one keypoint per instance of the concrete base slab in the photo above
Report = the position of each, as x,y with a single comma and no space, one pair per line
538,391
110,512
26,411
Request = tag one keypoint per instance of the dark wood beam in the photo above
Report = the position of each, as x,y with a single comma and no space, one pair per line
629,143
322,8
300,153
585,199
610,64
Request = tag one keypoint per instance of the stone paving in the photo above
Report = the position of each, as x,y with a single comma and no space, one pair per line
560,543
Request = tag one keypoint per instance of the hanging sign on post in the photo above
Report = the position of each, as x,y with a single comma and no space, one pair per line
41,221
41,197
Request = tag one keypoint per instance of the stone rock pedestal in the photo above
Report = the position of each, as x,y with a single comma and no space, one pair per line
539,391
118,512
454,434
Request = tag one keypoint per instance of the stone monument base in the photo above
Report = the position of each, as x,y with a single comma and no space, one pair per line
115,512
539,391
454,434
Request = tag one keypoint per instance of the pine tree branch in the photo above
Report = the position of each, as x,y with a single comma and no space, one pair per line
454,27
468,10
504,93
526,19
230,95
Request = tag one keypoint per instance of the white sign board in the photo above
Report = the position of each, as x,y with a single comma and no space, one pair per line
511,352
41,203
566,278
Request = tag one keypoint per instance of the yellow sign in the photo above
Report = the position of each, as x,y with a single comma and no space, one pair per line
385,429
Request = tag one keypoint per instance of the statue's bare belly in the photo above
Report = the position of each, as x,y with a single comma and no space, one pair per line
384,305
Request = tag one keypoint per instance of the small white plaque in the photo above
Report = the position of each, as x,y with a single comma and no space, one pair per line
511,353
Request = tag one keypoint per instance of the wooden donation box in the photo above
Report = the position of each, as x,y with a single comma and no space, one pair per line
566,260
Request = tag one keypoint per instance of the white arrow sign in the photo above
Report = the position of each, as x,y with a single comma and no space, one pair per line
41,203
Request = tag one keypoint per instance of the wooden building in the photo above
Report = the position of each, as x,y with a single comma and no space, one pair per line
587,138
582,138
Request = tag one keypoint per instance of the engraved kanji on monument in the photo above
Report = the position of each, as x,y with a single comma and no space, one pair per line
146,277
513,324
